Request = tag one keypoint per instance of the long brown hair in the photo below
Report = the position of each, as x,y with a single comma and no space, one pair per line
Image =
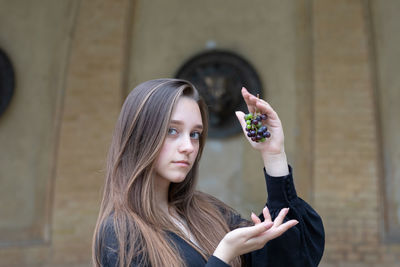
128,198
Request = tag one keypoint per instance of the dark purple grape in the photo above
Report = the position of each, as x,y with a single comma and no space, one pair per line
256,131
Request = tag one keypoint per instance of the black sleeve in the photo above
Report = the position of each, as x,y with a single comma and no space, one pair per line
303,244
300,246
216,262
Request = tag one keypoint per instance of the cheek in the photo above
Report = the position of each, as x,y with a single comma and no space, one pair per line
196,149
164,153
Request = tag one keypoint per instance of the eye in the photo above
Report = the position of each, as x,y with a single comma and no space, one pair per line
195,135
172,131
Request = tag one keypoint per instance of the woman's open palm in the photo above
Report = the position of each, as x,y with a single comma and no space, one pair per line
246,239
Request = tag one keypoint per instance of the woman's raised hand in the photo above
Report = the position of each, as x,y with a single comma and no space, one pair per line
274,144
273,148
247,239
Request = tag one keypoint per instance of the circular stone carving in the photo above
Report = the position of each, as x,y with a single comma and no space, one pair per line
219,76
7,81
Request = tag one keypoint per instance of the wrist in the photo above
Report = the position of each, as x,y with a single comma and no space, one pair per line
223,253
275,164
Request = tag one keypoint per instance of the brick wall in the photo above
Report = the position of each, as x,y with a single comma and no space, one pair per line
346,172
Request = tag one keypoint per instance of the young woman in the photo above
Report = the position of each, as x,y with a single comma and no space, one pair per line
151,213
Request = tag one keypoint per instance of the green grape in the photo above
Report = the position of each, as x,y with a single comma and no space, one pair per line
256,130
248,116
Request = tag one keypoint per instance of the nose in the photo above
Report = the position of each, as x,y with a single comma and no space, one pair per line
186,145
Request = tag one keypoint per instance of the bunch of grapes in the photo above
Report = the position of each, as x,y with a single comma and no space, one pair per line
254,127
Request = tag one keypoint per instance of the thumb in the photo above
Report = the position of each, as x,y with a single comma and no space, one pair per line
240,117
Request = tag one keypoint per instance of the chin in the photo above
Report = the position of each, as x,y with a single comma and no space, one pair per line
179,178
173,176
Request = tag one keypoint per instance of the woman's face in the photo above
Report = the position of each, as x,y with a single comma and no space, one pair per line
182,143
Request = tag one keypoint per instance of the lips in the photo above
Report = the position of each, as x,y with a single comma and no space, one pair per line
182,163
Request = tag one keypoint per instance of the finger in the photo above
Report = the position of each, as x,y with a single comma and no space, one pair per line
255,218
250,103
240,117
276,232
279,219
265,108
267,216
261,239
257,229
244,89
284,227
254,102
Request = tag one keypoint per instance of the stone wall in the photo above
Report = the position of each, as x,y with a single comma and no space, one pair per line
91,96
347,173
326,67
29,127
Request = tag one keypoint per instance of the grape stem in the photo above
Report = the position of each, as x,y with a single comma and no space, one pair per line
256,111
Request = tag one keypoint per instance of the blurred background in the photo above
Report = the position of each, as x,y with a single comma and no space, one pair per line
330,68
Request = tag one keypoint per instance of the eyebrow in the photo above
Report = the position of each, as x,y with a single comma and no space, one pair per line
197,126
